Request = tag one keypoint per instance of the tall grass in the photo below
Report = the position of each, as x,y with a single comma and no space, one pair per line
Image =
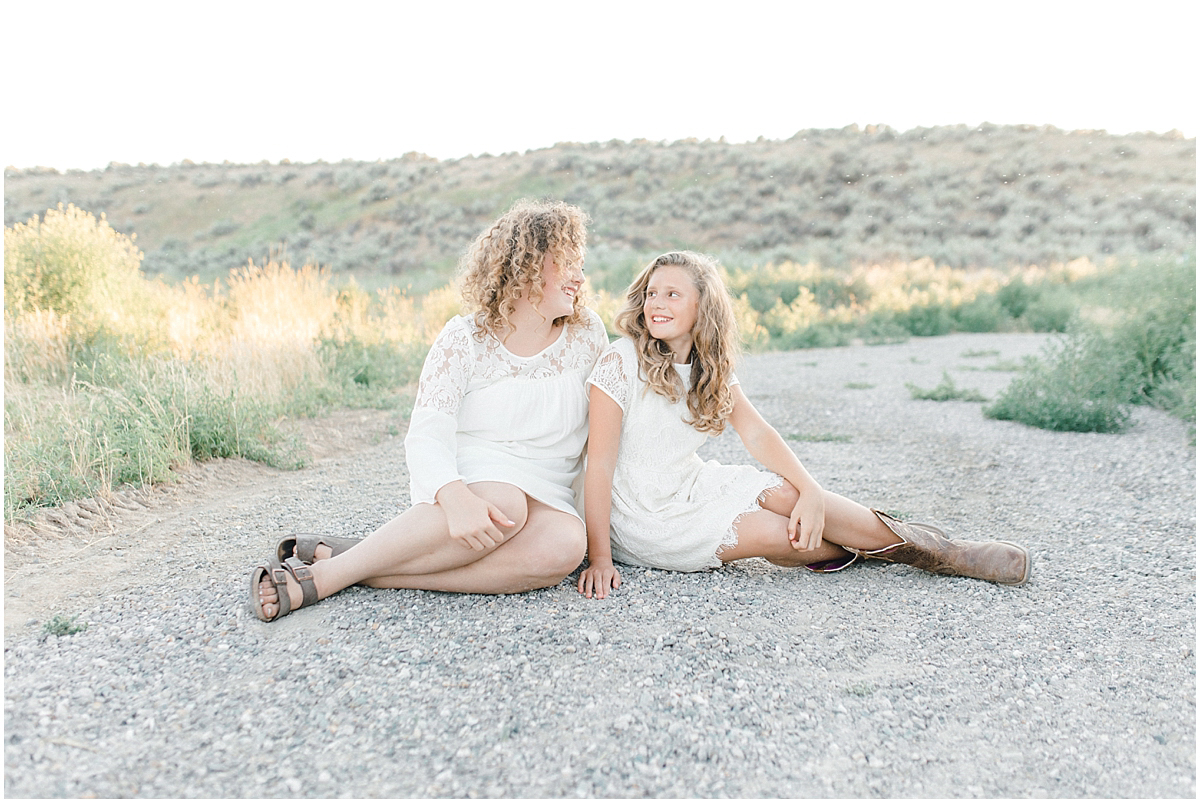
117,379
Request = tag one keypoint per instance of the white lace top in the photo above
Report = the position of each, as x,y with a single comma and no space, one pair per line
483,413
670,509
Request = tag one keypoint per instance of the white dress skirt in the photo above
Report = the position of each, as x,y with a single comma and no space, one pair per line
670,509
483,413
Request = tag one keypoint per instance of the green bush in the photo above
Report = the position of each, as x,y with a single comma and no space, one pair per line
361,366
1051,310
71,263
982,314
63,626
1148,356
926,321
1016,296
1082,385
946,390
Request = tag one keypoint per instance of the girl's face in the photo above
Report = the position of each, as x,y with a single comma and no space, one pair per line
671,307
560,285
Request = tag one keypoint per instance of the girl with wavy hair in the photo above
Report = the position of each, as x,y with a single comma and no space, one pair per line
496,438
657,395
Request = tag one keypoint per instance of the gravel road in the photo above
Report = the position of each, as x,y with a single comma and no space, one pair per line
748,681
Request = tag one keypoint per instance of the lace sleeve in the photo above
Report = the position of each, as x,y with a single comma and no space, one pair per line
614,376
431,448
446,371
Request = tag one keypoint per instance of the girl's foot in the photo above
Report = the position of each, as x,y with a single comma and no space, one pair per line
271,579
269,597
309,548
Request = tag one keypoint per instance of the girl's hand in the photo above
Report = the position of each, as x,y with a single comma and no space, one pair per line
807,522
598,578
473,522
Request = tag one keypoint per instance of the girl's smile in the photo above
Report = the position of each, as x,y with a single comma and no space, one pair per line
671,307
559,287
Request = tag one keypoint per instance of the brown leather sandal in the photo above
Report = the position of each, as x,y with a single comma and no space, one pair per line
277,573
303,545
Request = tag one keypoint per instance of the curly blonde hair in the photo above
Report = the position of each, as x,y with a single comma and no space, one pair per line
715,342
506,260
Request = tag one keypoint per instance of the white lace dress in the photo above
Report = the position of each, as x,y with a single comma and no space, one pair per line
670,509
483,413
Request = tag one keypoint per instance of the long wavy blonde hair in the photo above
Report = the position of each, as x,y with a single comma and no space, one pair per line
714,342
505,261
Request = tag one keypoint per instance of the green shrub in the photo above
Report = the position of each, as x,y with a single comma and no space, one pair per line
72,264
945,391
1082,385
63,626
878,330
362,366
1051,310
1086,381
926,321
1016,296
982,314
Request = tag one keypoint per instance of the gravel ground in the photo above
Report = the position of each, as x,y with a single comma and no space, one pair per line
748,681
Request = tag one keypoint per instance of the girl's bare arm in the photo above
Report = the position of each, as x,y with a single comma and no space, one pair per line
604,438
807,521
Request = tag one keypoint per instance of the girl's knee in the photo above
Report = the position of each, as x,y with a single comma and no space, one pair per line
555,552
781,499
511,501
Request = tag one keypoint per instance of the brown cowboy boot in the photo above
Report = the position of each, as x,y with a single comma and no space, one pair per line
928,548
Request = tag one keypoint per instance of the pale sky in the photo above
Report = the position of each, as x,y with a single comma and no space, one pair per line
88,83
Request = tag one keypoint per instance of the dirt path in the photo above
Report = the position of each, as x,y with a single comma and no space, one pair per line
88,550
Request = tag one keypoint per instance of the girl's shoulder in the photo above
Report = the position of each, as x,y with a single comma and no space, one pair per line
621,352
588,334
624,347
460,330
460,323
616,371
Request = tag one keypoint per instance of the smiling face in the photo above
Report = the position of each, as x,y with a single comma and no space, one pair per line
671,306
560,286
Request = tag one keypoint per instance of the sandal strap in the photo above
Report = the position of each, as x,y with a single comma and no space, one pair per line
304,576
278,576
303,545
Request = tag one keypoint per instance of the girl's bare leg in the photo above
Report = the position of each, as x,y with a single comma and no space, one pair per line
416,542
763,533
846,522
548,548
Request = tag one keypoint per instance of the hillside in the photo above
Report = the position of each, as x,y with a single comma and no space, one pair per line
990,196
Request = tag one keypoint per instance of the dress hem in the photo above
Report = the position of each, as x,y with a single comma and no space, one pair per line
731,537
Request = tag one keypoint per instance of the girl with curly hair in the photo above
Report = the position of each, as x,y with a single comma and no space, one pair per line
496,438
657,395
